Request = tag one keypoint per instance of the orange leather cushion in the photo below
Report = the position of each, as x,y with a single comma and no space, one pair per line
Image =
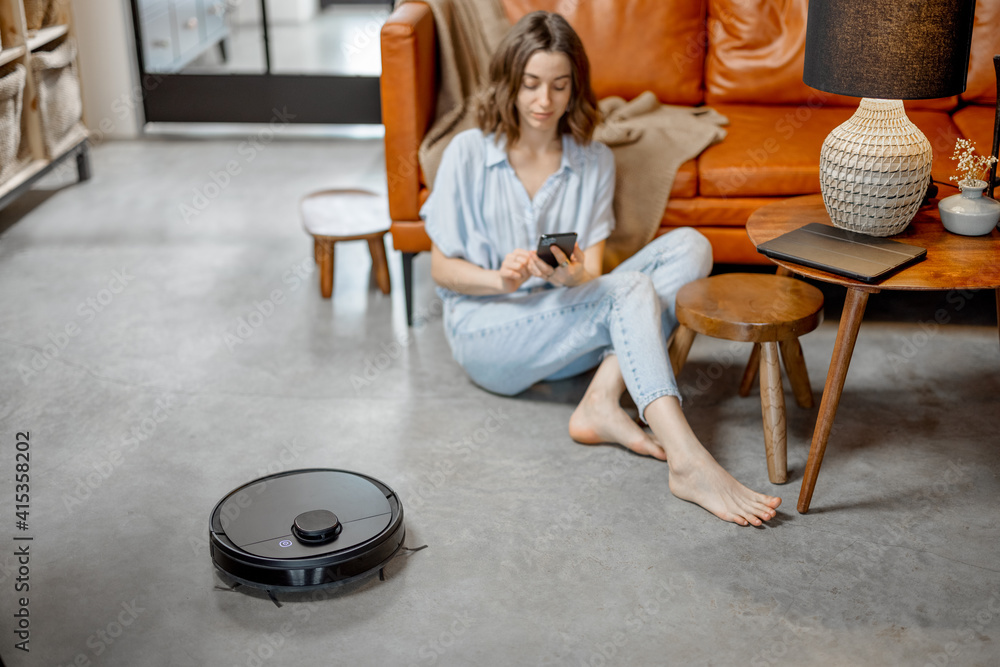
686,180
635,46
756,52
774,151
409,237
981,86
976,123
712,211
729,245
942,132
769,151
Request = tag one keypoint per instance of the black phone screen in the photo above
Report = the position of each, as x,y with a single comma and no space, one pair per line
566,242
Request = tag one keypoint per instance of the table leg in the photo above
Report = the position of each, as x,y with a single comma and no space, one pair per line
408,285
750,372
680,345
772,406
847,335
325,261
798,375
380,264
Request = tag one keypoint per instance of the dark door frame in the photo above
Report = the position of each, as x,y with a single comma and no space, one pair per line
255,98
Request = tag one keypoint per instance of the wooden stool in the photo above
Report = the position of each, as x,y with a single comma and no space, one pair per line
769,311
347,215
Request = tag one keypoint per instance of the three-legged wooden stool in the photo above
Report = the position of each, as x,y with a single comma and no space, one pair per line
347,215
769,311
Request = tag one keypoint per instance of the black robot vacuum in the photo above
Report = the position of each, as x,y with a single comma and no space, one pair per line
306,529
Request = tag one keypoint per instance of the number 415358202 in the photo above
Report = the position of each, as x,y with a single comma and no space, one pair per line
22,466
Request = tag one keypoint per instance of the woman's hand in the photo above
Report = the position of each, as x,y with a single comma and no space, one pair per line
570,272
515,269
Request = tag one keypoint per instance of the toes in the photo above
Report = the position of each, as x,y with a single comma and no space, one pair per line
765,505
751,516
760,510
765,513
772,502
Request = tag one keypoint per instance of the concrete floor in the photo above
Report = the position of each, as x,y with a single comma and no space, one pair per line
540,551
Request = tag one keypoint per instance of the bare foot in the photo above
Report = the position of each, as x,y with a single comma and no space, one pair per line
596,421
704,482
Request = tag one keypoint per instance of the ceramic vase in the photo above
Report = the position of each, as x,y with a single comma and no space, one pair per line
970,213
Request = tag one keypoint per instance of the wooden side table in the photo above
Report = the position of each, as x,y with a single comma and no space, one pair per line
347,215
953,262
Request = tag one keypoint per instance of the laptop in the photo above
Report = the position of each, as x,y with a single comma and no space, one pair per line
845,253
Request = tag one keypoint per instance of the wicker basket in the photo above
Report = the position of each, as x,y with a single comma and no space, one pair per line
58,83
57,13
874,169
11,99
34,13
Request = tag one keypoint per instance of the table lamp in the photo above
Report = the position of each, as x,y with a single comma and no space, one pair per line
875,168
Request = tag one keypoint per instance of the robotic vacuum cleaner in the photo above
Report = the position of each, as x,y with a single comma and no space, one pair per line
306,529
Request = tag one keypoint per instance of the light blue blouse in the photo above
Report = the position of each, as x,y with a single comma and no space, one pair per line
480,211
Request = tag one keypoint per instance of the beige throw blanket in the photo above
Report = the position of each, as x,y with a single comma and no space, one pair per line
650,141
468,32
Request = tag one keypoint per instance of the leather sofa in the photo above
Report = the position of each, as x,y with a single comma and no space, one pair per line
744,58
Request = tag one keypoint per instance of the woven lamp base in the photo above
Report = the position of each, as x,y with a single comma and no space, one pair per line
874,169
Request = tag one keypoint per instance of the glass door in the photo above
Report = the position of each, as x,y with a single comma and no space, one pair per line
260,61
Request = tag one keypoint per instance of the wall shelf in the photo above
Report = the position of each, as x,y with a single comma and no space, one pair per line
51,99
43,36
11,54
75,136
28,172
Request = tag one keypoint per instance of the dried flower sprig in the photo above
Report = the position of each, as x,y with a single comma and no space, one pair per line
972,167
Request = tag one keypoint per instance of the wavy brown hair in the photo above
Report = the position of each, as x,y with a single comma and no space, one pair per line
537,31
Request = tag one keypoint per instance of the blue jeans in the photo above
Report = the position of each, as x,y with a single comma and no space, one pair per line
509,342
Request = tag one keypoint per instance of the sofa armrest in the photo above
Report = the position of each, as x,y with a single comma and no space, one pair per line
408,87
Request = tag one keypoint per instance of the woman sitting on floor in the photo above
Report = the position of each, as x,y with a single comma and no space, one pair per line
511,319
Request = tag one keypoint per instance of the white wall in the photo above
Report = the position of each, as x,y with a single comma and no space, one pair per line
112,105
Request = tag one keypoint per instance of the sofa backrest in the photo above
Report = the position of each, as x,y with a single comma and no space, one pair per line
981,86
635,45
726,51
756,52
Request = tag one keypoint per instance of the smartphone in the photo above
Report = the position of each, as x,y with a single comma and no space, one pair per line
566,242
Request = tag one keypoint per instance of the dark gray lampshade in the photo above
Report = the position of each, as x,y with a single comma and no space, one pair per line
889,49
